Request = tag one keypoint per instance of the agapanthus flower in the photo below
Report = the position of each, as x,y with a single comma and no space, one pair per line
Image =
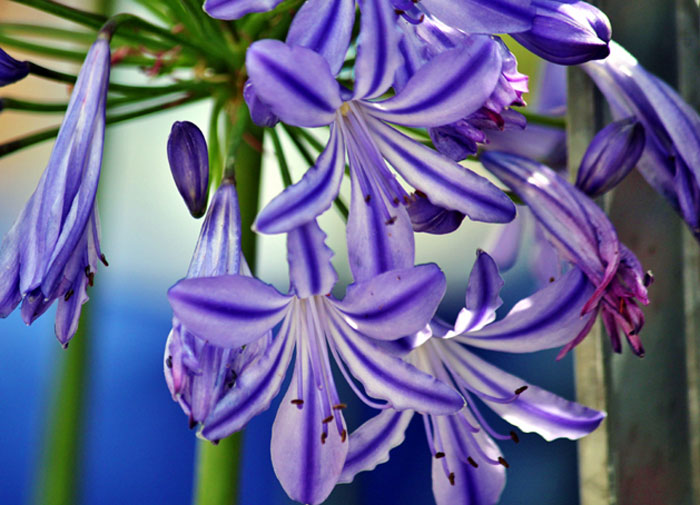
611,155
567,32
309,438
671,159
467,465
199,374
11,70
584,236
52,250
423,41
299,87
189,163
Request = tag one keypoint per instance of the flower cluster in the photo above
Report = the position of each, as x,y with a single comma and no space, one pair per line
421,87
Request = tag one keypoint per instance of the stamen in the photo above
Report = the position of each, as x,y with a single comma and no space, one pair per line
68,294
103,259
343,435
429,434
471,461
169,362
324,436
439,455
298,402
340,406
327,419
514,437
521,389
451,478
503,462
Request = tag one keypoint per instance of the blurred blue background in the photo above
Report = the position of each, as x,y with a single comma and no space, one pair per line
136,446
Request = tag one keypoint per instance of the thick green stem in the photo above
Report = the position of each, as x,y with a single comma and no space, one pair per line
218,466
58,473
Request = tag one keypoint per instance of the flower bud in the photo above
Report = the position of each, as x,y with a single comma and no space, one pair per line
11,70
567,32
189,163
613,152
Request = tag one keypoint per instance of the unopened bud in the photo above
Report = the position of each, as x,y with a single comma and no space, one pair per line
189,163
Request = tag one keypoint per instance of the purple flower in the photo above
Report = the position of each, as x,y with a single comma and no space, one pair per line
234,9
189,164
298,86
11,70
584,236
467,466
567,32
52,250
309,438
671,159
612,154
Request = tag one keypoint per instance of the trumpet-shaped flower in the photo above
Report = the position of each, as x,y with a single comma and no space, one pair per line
584,236
467,466
309,438
52,250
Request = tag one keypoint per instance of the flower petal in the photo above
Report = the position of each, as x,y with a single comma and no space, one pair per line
445,183
314,23
253,391
482,298
370,443
549,318
310,269
483,16
394,304
389,378
378,54
228,311
535,409
450,86
307,465
311,196
234,9
295,82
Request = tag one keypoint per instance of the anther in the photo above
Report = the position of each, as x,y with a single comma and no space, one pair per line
503,462
473,463
340,406
396,200
399,12
68,294
421,194
343,435
451,478
391,220
215,441
368,198
169,362
520,390
514,437
328,419
298,402
103,259
192,422
439,455
621,306
324,436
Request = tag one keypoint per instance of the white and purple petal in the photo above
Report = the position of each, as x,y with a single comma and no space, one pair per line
234,9
483,16
310,269
483,295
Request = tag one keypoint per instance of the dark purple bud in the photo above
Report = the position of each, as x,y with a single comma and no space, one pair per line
567,32
189,163
260,113
11,70
613,152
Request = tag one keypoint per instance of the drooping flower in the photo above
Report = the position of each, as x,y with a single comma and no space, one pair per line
309,437
611,155
189,163
467,466
671,159
567,32
52,250
299,88
584,236
11,70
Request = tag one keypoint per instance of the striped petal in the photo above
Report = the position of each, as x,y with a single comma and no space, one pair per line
295,82
534,410
370,443
311,196
549,318
316,20
228,311
234,9
310,269
394,304
389,378
450,86
307,465
253,391
483,16
482,298
378,55
445,182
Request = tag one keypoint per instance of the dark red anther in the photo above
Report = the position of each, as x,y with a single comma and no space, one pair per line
503,462
439,455
621,306
421,194
340,406
192,422
473,463
399,12
298,402
324,436
328,419
68,294
169,362
103,259
343,435
391,220
451,478
520,390
396,200
368,198
514,437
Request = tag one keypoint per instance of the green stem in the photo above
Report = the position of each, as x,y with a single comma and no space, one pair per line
217,475
281,159
35,138
58,479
